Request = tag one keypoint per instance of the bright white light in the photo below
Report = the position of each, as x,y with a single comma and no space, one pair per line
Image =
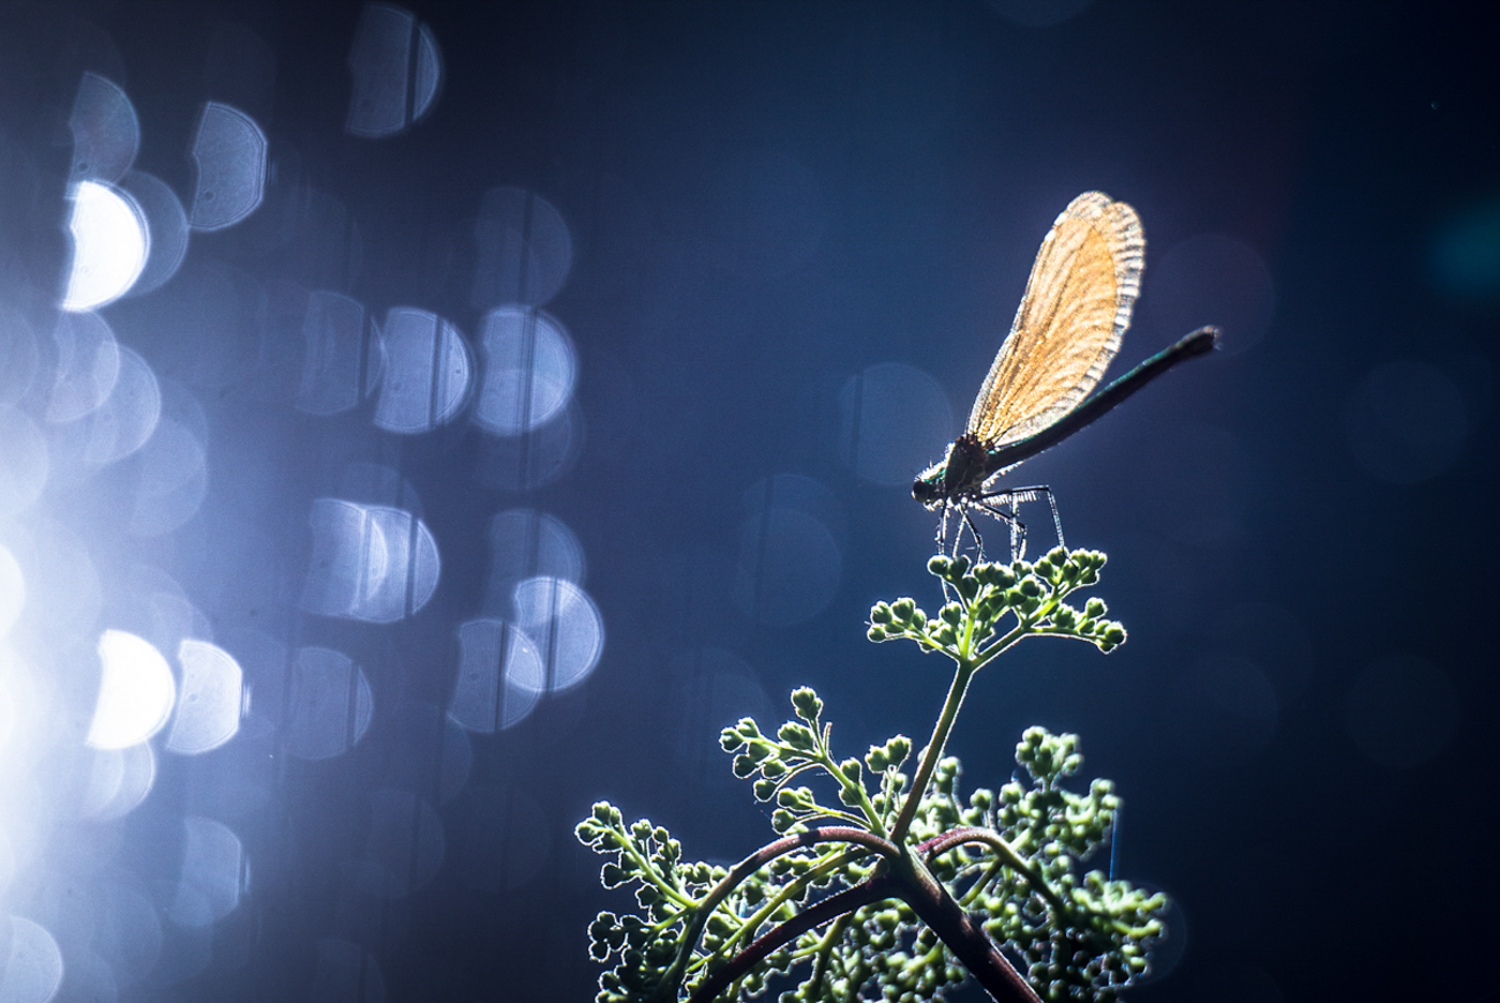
110,244
136,692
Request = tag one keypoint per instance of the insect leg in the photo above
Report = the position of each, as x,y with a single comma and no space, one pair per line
1011,497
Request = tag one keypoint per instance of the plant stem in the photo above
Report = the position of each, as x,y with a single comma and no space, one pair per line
965,938
934,751
786,844
1003,850
911,882
867,891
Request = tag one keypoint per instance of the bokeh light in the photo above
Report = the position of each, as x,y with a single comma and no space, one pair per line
397,71
34,965
208,708
106,130
229,152
369,562
339,367
404,847
127,418
173,479
331,704
136,692
501,674
421,421
213,873
566,627
166,222
110,245
1465,256
524,249
425,371
529,369
12,590
24,463
1223,711
19,356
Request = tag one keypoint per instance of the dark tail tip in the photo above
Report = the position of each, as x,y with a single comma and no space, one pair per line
1200,341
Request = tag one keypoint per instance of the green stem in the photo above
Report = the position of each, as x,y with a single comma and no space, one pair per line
1003,850
940,732
703,909
789,893
650,871
872,889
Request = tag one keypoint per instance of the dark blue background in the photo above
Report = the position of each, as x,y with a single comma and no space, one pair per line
764,200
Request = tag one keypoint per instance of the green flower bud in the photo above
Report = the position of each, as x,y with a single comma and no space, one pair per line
764,789
798,736
795,798
880,613
806,703
902,610
940,565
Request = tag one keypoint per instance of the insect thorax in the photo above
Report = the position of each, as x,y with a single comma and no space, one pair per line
959,477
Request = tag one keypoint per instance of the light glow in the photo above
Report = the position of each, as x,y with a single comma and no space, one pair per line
110,244
136,692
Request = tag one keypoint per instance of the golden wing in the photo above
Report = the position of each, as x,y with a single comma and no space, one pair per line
1070,321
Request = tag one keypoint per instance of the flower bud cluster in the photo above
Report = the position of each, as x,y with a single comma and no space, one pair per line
985,594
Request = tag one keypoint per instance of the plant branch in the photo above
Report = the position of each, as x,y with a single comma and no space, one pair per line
965,938
969,834
870,890
786,844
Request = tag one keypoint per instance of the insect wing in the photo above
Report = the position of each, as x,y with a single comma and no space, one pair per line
1070,321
